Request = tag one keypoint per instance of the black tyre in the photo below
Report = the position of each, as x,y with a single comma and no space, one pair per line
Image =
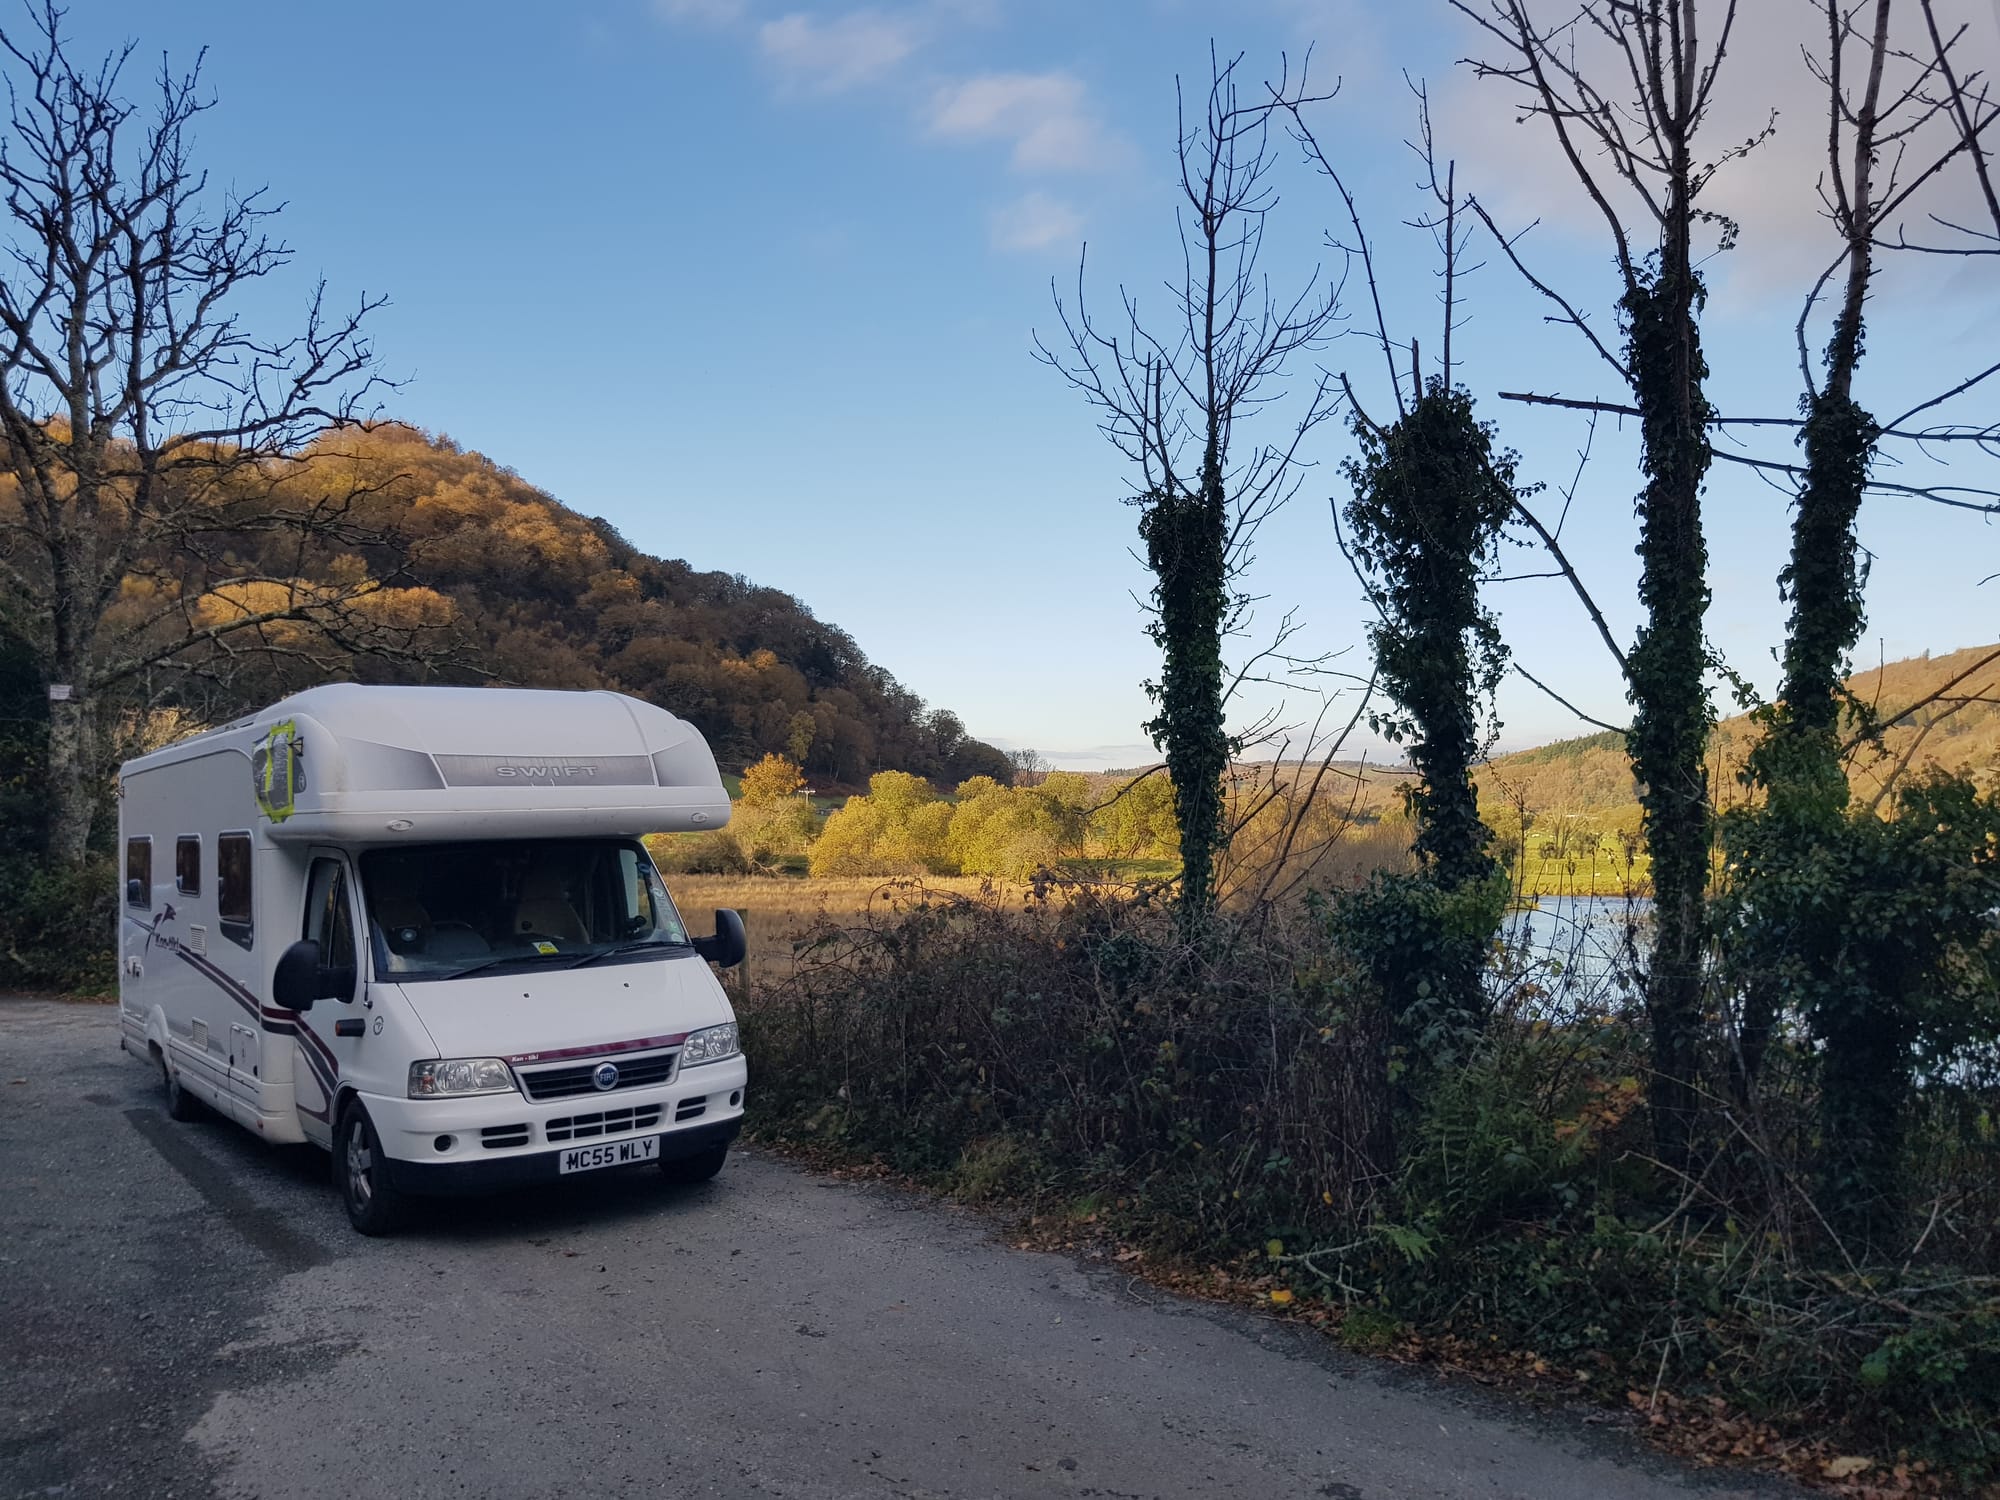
687,1170
181,1105
360,1173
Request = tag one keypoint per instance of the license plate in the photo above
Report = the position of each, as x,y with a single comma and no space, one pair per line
609,1154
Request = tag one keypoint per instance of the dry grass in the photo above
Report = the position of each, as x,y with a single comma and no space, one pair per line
777,910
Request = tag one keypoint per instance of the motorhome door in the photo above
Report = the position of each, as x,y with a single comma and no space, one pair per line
330,1030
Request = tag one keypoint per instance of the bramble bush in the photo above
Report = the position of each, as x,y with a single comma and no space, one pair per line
1080,1043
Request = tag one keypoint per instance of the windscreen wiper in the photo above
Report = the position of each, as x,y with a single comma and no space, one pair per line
639,946
487,963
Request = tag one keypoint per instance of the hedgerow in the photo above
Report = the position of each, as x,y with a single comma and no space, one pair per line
1235,1100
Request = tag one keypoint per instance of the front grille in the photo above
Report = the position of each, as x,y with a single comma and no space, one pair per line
645,1071
498,1137
690,1109
606,1122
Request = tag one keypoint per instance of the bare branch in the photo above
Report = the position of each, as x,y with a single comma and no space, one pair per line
1587,718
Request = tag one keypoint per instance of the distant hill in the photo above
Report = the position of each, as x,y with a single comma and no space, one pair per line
516,587
1958,732
1566,815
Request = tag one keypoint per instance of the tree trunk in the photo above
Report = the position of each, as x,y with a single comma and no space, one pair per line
72,763
75,602
1798,761
1185,546
1671,715
1864,1087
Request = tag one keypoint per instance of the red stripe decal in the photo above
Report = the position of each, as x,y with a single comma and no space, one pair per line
314,1037
320,1058
229,986
639,1044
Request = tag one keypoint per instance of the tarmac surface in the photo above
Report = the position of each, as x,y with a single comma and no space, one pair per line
184,1312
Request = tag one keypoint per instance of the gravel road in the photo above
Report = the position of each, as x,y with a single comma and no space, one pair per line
184,1312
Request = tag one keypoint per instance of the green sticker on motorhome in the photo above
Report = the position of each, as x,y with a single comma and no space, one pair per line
278,772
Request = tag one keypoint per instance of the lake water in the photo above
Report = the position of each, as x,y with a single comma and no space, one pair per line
1582,946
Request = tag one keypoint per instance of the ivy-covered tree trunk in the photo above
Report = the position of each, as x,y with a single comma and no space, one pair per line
1429,502
1823,580
1864,1091
1166,397
1671,710
1864,1029
1186,547
1797,764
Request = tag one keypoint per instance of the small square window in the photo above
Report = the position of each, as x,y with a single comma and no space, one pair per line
187,864
139,873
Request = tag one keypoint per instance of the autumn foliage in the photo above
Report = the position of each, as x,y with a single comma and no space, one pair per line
510,585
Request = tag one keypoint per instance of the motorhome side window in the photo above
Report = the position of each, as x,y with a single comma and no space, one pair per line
187,864
139,873
232,888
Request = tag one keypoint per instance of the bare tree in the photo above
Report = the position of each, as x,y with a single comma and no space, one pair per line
1625,86
1031,767
1170,397
1900,119
143,421
1902,116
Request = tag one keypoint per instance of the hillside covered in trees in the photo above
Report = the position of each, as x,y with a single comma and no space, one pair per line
545,597
1566,815
1937,713
437,564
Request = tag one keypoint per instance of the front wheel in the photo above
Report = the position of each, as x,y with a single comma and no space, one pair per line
374,1204
688,1170
181,1105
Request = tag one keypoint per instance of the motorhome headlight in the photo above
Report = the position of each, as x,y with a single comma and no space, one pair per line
460,1075
711,1044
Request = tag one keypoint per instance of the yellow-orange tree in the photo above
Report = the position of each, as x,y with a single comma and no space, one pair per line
770,780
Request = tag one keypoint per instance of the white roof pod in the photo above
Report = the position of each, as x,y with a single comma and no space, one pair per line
350,764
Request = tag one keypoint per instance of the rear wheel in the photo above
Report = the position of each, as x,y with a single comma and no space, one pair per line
181,1105
373,1203
687,1170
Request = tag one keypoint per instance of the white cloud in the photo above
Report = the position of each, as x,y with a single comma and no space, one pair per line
1045,115
828,57
1034,221
1518,169
701,12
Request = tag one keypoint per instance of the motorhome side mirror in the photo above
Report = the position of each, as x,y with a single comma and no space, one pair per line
135,893
726,949
295,983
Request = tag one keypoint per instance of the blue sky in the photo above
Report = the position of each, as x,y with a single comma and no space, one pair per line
757,281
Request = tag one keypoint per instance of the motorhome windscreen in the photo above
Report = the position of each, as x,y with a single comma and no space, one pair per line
436,911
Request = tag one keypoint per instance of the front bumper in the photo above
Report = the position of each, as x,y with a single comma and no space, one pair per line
523,1168
494,1141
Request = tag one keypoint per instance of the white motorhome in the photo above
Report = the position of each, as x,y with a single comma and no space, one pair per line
416,926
